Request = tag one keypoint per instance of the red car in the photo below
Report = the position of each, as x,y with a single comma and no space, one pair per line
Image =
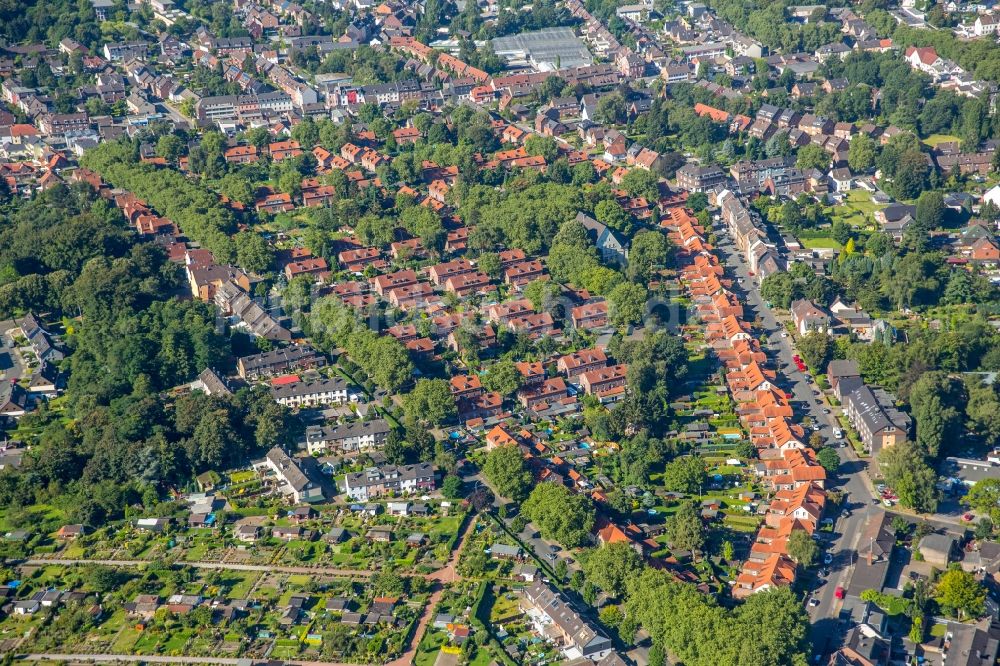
839,592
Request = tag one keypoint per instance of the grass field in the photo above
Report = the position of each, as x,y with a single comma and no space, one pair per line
935,139
856,210
820,243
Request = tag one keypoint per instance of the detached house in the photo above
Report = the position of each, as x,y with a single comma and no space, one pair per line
292,478
807,317
612,246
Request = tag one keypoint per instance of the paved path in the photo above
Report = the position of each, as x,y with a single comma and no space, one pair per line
446,574
327,571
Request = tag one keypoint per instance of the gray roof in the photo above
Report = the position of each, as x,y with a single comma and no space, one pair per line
214,383
286,356
596,229
968,470
869,410
308,388
843,368
345,431
558,608
937,543
289,469
504,549
878,537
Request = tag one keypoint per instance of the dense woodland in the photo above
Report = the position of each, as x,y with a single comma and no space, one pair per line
114,440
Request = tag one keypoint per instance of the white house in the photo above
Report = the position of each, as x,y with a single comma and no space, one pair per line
993,195
986,24
292,478
355,437
310,394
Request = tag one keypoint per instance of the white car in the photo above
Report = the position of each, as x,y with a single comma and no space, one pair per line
784,334
814,602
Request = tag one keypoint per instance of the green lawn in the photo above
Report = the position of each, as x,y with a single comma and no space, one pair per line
934,139
856,210
820,243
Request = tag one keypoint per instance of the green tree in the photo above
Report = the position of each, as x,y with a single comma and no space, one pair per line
560,514
545,146
910,476
507,473
861,153
768,629
985,497
170,147
912,175
685,474
451,487
642,183
489,263
829,459
936,400
813,157
611,566
930,210
609,212
626,304
388,584
815,348
778,289
430,402
503,377
252,252
959,590
802,548
650,252
375,230
685,530
543,294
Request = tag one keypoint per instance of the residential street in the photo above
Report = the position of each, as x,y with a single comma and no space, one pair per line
851,479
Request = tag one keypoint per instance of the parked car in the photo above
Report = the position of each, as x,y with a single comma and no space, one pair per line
828,558
839,592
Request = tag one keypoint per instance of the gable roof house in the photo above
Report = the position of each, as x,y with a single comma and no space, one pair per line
877,421
808,317
555,618
291,475
379,481
612,245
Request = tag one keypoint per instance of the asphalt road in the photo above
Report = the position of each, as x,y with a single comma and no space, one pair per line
10,359
851,478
